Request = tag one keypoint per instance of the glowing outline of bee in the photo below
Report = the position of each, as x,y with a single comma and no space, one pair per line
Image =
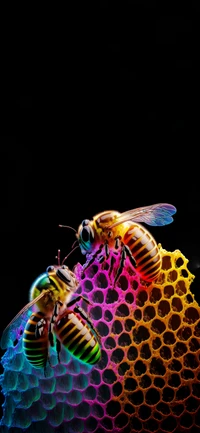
44,323
112,229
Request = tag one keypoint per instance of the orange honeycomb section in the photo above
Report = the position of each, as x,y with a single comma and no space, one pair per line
161,365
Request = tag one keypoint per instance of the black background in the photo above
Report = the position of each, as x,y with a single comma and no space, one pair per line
99,111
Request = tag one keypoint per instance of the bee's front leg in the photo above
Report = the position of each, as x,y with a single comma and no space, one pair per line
130,255
121,265
125,252
90,261
102,258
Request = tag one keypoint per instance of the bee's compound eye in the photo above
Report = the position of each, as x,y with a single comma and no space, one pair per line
85,223
85,234
68,277
64,275
50,269
64,267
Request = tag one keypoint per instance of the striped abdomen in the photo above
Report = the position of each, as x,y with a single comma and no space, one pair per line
145,251
36,348
77,336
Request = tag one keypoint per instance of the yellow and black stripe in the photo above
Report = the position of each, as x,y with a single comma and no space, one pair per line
77,337
144,250
36,348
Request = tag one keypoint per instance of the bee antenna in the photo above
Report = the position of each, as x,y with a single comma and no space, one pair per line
58,257
67,227
77,246
74,243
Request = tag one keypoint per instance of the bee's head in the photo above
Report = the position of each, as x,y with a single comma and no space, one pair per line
85,236
63,273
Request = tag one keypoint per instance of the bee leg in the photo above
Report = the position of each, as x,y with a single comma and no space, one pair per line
78,298
58,349
52,321
112,262
102,258
131,258
117,243
87,264
121,265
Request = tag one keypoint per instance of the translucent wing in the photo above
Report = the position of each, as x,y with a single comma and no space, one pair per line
6,339
155,215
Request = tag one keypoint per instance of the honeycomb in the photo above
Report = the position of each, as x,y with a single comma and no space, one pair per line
148,377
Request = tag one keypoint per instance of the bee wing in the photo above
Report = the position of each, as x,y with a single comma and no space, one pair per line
155,215
6,336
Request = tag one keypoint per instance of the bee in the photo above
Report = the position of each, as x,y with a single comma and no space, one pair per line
112,230
53,319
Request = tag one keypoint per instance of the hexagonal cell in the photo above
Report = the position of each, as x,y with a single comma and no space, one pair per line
179,262
139,368
174,380
123,282
117,327
152,396
132,353
129,298
155,295
168,291
165,352
149,313
140,334
169,338
166,263
109,343
145,381
158,326
101,280
172,276
129,324
190,360
130,384
169,424
179,349
163,308
157,367
156,343
141,298
113,408
136,397
175,365
124,340
145,351
174,322
144,412
184,333
123,368
122,310
177,304
181,288
191,315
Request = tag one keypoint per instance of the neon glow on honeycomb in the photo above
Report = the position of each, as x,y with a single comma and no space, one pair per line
148,377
